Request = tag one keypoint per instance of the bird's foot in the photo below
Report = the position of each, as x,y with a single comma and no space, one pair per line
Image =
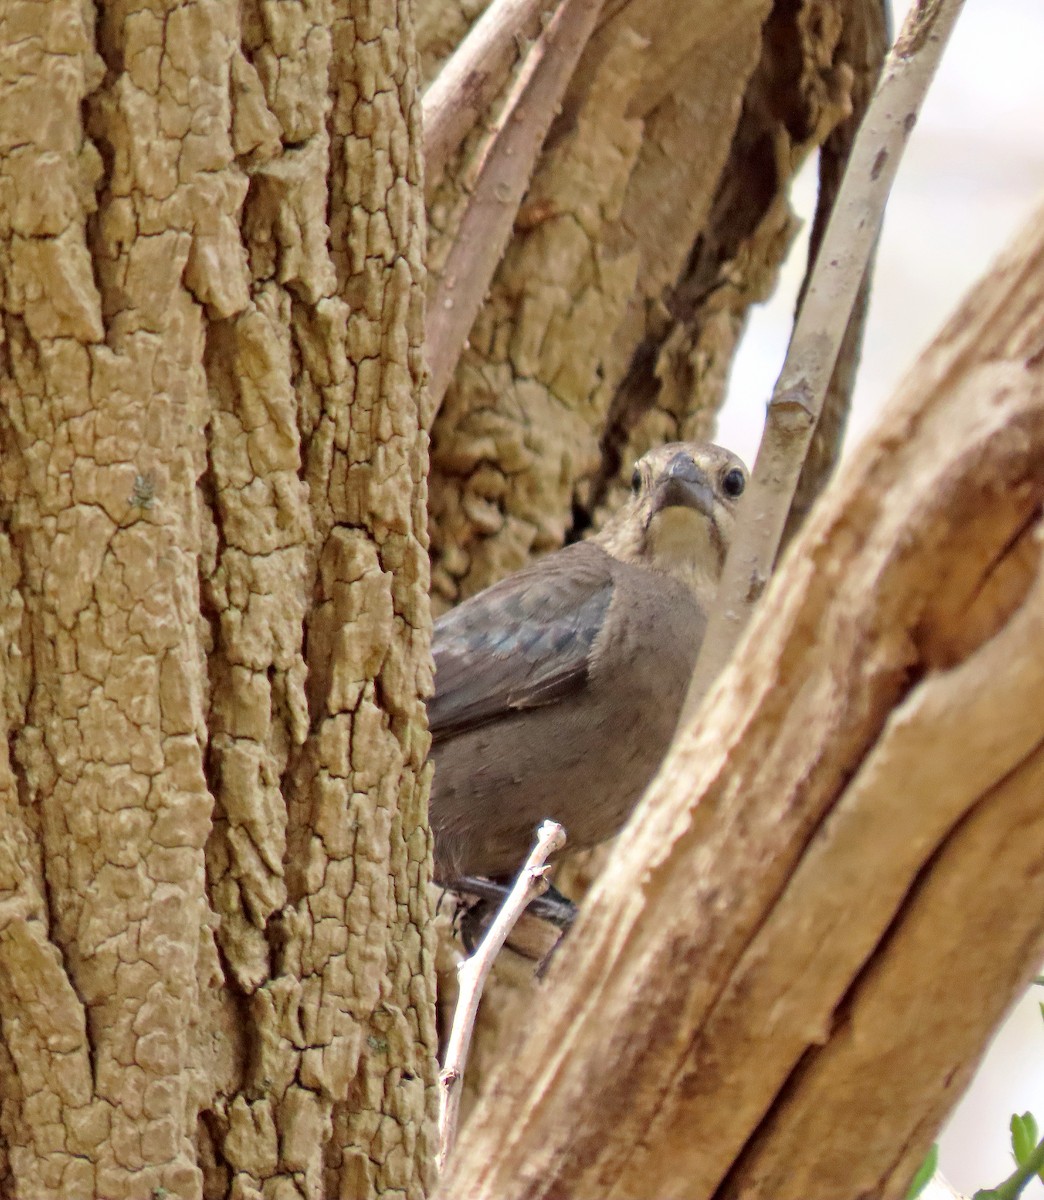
550,906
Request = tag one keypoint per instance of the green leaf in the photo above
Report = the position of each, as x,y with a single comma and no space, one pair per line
924,1173
1023,1137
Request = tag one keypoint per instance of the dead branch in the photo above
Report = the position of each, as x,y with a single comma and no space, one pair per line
462,92
500,179
819,330
803,940
472,974
867,34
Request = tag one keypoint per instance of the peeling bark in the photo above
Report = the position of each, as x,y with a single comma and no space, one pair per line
753,998
216,957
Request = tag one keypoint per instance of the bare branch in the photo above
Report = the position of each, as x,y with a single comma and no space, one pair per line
501,177
461,93
473,972
867,36
820,328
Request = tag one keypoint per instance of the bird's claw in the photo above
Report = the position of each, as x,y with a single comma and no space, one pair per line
552,906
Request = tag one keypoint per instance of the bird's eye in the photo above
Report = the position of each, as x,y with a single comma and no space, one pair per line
636,481
733,482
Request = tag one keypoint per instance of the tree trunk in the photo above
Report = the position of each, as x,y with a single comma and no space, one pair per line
216,959
826,902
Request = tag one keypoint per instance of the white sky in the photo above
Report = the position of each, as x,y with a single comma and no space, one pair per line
973,172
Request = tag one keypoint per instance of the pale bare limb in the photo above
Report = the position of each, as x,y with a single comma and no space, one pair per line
940,1188
868,36
820,327
500,178
460,95
472,975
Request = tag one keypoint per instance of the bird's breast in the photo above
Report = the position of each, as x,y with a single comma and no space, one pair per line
583,761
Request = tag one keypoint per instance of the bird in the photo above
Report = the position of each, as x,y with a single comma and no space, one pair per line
557,690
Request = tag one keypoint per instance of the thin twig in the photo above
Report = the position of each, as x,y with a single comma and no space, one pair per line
464,88
820,326
501,176
472,975
865,44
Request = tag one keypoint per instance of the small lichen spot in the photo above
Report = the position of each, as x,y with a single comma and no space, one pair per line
143,494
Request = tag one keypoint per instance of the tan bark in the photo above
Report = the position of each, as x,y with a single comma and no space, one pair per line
215,949
803,940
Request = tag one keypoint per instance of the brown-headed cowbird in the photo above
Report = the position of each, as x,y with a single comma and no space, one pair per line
557,690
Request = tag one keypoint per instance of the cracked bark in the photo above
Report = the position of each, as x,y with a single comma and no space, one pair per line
215,946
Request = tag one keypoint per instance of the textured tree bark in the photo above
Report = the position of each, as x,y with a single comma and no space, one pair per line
818,915
216,959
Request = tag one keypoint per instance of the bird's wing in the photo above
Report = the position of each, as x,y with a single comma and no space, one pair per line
525,642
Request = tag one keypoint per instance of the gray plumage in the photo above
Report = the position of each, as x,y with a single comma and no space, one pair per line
557,690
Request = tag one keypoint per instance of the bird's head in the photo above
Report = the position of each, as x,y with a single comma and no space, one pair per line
681,512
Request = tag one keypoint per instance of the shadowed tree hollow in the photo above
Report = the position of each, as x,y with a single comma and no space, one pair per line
229,505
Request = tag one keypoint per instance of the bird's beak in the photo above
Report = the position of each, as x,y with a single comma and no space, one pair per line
684,485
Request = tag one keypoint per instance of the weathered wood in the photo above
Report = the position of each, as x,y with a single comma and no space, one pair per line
847,828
